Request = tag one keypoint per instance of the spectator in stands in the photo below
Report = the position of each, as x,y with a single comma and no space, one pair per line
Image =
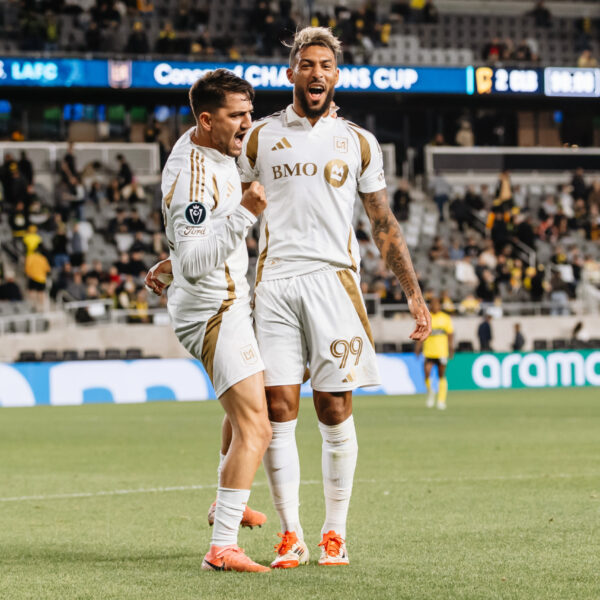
542,16
134,193
361,232
400,11
487,290
26,168
441,192
464,136
68,169
594,194
167,40
518,341
37,269
31,240
76,287
460,212
524,230
578,185
586,60
471,248
484,333
430,12
456,251
125,175
438,251
559,296
519,197
93,37
9,290
469,305
494,51
137,42
139,305
401,200
18,220
465,273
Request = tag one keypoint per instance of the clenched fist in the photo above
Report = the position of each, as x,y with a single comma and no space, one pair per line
254,199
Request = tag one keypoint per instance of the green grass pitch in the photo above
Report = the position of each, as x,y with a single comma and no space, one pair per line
498,497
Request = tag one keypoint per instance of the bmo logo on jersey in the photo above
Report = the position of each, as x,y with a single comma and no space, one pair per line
297,170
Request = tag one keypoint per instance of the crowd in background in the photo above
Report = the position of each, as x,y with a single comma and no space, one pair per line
53,233
185,30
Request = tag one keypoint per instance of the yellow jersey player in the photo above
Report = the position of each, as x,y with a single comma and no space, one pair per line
437,349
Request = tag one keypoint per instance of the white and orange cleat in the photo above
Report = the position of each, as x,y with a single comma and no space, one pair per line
251,518
291,552
230,558
333,550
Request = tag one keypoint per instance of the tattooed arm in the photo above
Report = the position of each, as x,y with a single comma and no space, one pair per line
392,245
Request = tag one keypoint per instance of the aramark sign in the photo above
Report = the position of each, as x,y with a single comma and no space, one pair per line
525,370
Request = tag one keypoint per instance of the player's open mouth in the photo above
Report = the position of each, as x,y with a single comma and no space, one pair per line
315,92
239,139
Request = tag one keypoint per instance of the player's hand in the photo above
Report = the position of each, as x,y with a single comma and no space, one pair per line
254,198
159,277
418,309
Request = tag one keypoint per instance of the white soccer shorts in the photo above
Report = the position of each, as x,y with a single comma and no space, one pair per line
225,344
319,318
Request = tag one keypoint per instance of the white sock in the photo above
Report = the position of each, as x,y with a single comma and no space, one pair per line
282,466
228,515
220,467
340,450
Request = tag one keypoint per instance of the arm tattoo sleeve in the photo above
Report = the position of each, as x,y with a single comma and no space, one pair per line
390,241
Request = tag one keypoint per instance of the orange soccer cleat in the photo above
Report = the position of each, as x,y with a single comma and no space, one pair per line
251,518
333,550
230,558
291,552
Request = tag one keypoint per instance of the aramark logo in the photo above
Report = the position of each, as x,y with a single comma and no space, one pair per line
555,369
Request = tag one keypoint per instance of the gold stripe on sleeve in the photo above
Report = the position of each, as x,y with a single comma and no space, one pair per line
192,171
350,250
211,336
352,290
169,197
203,182
252,146
365,150
215,192
262,257
197,175
230,284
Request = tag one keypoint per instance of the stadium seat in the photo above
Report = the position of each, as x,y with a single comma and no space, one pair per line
91,355
407,347
112,354
464,346
70,355
540,345
49,356
133,353
27,356
560,344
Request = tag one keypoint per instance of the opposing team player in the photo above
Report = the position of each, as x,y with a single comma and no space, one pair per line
206,221
308,305
438,348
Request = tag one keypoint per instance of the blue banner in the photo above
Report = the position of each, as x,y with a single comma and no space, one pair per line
121,382
127,74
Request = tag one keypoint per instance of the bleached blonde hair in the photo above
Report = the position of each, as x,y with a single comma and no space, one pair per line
314,36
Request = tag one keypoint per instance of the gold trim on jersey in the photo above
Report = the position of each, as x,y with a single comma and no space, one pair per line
354,267
192,173
347,280
169,197
262,257
203,181
215,192
230,284
211,335
365,149
252,146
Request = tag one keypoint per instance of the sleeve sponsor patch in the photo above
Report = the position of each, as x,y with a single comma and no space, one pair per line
195,213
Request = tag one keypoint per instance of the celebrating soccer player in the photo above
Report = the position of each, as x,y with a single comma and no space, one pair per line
206,221
308,305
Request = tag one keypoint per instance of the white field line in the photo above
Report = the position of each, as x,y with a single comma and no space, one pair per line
187,488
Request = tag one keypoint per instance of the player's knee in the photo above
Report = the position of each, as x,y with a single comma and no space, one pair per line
333,409
282,405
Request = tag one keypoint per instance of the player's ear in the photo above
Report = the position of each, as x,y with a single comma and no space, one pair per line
205,121
337,76
290,74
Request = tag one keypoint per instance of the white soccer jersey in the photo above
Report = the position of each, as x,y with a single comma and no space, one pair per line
206,228
311,175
